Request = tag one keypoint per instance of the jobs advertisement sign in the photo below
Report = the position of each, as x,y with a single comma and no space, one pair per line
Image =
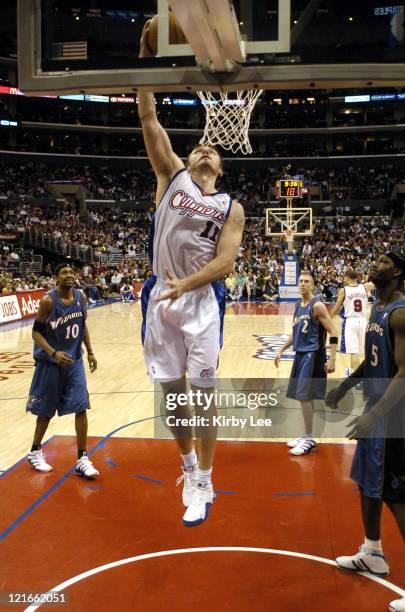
22,305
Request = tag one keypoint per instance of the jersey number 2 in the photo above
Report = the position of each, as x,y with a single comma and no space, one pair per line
305,325
206,232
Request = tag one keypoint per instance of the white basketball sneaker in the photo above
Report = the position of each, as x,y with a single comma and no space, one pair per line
293,443
188,480
304,447
364,561
202,499
37,460
86,469
398,605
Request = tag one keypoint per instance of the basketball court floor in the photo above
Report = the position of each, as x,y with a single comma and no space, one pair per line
118,543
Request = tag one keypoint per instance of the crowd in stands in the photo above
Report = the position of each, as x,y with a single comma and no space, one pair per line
336,244
251,186
115,231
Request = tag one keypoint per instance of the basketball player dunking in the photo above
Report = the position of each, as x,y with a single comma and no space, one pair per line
197,235
353,299
379,460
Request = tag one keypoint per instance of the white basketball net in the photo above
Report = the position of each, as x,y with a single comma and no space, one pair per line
228,118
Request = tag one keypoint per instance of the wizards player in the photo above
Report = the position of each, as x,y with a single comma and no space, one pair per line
308,374
59,381
379,461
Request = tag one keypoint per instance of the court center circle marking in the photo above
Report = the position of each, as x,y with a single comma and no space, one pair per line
185,551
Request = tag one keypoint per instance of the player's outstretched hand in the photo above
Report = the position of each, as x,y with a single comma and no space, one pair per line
176,288
362,426
92,362
334,396
277,358
63,359
145,50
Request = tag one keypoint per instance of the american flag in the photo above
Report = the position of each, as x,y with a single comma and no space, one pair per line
70,50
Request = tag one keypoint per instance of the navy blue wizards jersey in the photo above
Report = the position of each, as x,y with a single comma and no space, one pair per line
64,326
308,333
379,363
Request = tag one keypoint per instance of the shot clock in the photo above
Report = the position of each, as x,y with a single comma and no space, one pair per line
289,188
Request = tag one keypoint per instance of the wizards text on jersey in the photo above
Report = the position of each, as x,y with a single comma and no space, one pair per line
62,320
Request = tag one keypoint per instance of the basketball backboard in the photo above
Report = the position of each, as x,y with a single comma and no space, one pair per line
298,220
93,48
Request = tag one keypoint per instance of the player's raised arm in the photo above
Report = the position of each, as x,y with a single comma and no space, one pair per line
164,161
339,302
227,251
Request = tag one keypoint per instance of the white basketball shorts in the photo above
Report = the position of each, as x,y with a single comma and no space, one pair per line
353,335
183,335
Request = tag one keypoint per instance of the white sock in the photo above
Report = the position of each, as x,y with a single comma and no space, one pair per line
373,545
190,460
204,476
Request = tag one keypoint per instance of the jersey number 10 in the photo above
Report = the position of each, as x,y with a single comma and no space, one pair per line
72,330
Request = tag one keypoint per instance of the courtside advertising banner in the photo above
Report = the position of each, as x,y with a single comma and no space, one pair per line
9,309
22,305
29,302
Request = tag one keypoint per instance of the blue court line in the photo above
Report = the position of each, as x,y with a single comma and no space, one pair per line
5,472
222,492
297,494
142,477
5,399
110,462
61,480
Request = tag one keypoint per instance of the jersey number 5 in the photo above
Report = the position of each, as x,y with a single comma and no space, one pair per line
374,355
206,232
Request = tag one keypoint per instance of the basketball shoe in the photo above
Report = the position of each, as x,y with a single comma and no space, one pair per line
202,498
398,605
188,480
86,469
303,447
365,561
293,443
37,460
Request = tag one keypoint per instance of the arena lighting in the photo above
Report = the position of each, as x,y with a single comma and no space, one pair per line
365,98
184,102
8,123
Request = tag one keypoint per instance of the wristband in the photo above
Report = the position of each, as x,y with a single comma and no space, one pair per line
333,340
90,353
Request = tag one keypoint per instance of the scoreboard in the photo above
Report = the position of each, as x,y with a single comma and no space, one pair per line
289,188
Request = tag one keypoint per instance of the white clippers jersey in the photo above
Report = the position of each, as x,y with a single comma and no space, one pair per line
355,302
187,225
